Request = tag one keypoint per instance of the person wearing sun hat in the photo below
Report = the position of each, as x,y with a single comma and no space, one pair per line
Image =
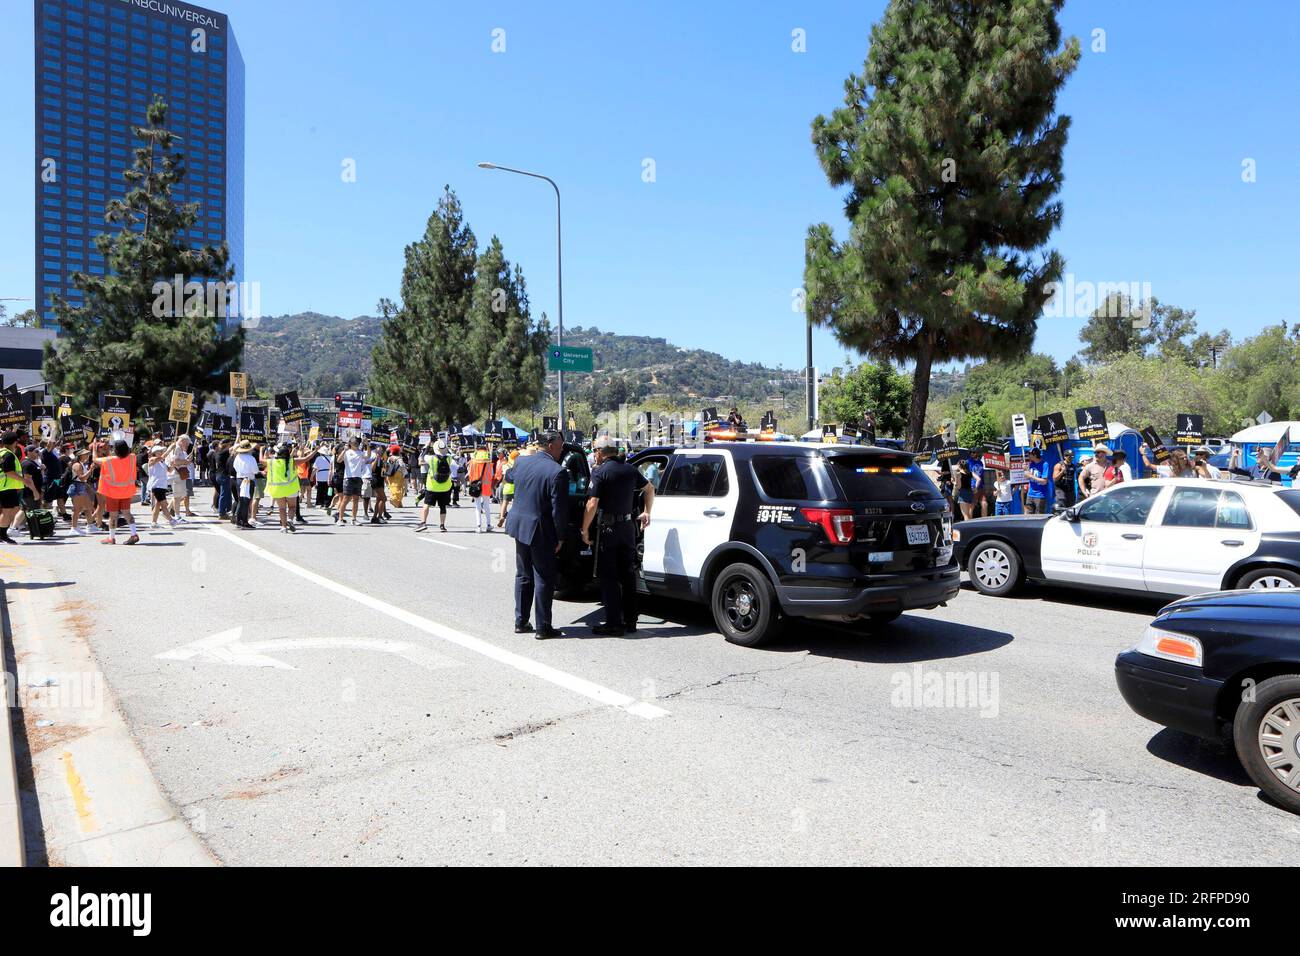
246,472
1092,476
396,475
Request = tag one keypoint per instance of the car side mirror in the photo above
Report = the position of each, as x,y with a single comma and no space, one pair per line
1070,514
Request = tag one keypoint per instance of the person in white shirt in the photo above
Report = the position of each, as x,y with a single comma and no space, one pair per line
356,467
1201,464
321,465
1004,492
157,485
246,472
181,462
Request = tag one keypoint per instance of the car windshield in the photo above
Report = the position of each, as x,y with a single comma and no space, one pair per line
880,477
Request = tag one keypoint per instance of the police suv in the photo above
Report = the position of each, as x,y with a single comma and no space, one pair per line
1176,536
767,531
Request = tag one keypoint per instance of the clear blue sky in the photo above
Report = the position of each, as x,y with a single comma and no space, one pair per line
709,253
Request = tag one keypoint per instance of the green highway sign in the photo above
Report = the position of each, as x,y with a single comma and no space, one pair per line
566,359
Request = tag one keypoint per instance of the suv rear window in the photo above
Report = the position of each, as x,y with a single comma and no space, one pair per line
880,477
796,477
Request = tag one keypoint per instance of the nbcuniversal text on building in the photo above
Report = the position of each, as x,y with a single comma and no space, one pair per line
203,18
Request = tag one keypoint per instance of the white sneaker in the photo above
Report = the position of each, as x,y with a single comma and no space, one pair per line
154,526
79,531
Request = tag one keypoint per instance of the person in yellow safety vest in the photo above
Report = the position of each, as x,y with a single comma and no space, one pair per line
507,486
282,483
437,486
12,483
117,483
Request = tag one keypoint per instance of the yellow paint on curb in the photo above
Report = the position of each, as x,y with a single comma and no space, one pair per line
80,798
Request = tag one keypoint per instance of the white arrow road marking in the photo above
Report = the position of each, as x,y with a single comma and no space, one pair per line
570,682
228,648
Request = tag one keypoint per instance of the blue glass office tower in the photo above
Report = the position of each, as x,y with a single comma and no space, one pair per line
99,64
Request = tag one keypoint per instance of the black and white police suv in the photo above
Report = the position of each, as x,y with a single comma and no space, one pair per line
763,532
1174,536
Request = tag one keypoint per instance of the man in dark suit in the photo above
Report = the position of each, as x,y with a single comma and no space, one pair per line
536,521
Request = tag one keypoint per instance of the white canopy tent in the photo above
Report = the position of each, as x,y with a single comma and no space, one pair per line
1266,434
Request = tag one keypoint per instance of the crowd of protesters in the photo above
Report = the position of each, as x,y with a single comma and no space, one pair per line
975,490
109,487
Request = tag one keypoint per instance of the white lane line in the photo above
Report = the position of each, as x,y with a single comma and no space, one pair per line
424,536
570,682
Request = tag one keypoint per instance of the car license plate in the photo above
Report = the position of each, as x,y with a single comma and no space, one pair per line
918,534
880,557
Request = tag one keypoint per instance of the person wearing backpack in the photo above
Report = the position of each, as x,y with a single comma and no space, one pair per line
437,485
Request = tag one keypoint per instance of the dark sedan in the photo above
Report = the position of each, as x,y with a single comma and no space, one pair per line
1227,661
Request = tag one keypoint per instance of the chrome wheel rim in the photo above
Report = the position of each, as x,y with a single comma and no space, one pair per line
1271,582
1278,745
993,568
740,604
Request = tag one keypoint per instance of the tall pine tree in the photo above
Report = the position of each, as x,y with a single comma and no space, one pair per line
421,364
951,149
506,348
125,336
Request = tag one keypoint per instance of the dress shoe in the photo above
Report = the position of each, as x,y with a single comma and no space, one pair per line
547,634
607,630
523,629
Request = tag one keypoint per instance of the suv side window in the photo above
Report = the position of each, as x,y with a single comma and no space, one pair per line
698,476
1121,506
789,476
653,470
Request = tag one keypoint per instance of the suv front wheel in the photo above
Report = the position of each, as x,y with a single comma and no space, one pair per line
744,606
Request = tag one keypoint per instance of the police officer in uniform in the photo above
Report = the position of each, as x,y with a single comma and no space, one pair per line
614,485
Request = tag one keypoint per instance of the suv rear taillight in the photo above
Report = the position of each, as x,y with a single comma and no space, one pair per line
836,522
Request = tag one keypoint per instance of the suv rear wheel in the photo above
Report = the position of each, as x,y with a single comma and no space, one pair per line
744,606
1266,732
994,568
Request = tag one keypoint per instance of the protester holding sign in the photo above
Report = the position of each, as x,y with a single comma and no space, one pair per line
1063,480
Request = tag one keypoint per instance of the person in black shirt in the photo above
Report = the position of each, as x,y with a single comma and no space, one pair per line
222,477
614,485
34,494
56,490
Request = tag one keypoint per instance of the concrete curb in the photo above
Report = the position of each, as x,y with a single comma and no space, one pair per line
100,804
13,852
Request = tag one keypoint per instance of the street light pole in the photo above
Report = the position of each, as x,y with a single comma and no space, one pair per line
559,270
809,383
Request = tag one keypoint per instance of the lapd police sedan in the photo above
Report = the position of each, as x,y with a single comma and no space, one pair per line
1169,536
1226,662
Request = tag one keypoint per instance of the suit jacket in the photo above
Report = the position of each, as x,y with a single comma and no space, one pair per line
540,510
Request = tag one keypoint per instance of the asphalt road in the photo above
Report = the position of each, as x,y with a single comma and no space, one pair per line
395,718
